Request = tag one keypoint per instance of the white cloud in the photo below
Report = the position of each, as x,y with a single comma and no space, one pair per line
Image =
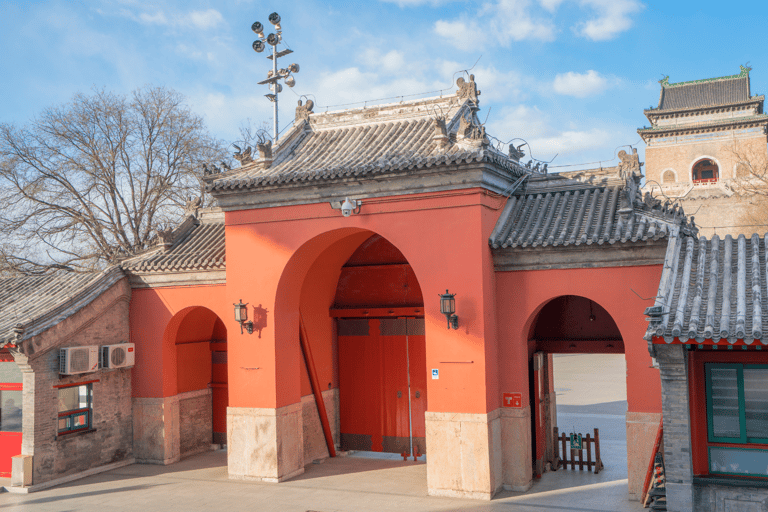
417,3
550,5
612,18
201,20
548,137
153,19
205,19
392,61
580,85
501,22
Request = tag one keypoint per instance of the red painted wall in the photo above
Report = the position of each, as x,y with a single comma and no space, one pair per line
158,318
290,258
521,295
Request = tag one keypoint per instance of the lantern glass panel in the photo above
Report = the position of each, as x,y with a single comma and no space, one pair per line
447,305
241,313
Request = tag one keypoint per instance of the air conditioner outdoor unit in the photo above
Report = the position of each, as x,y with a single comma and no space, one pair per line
118,356
74,360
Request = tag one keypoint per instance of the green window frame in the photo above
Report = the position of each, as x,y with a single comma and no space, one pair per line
75,418
714,393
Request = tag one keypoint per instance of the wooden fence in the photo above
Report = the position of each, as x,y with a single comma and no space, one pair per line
564,455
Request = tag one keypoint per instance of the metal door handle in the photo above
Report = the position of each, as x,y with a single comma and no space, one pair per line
399,394
418,394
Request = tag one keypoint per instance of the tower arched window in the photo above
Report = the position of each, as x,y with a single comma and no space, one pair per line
705,171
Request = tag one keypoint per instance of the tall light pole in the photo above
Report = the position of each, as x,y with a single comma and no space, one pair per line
274,75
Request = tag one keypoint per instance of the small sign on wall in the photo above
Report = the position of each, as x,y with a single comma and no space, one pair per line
514,400
435,374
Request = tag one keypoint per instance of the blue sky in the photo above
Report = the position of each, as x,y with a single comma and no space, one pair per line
571,77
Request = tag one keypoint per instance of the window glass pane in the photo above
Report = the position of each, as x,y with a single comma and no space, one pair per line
80,420
725,402
10,411
756,402
743,462
69,398
63,424
9,372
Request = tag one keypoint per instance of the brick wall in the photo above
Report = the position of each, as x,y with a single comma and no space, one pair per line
718,208
195,422
103,322
673,365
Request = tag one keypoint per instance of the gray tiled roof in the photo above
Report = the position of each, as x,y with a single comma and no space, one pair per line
37,303
589,215
198,245
706,125
365,142
713,289
704,93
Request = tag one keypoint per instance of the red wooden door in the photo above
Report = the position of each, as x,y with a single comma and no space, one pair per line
538,410
382,384
220,394
418,364
10,412
360,384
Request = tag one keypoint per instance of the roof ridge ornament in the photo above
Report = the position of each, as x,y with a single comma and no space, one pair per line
629,171
303,111
468,90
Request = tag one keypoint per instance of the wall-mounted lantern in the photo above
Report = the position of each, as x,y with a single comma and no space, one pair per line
241,316
448,308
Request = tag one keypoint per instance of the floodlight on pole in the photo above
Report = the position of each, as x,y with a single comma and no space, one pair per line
274,75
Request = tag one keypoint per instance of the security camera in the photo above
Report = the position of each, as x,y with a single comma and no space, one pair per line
347,208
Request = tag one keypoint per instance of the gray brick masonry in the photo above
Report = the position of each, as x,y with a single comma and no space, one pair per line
673,365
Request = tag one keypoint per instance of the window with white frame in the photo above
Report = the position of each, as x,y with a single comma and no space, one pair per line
75,408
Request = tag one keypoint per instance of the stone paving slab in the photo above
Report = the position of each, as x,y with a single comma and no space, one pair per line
342,484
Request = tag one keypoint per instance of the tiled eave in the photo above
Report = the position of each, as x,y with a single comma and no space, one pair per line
654,113
714,126
482,169
223,184
36,304
712,292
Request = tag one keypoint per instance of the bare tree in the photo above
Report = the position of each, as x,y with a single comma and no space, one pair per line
751,182
94,179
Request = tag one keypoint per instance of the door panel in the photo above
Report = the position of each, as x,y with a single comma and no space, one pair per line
396,425
10,413
220,392
373,383
360,384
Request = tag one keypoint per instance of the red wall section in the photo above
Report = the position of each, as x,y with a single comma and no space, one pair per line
444,236
521,296
157,316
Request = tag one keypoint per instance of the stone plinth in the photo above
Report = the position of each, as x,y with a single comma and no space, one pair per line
641,435
517,473
21,470
265,444
465,457
165,430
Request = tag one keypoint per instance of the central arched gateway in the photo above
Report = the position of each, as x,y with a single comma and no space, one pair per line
381,351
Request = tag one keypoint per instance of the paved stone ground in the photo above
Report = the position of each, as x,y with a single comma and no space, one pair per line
358,484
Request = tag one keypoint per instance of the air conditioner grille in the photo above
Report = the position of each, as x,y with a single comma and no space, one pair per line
79,361
117,357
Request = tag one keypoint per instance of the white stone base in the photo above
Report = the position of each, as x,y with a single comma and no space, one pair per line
265,444
69,478
464,455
